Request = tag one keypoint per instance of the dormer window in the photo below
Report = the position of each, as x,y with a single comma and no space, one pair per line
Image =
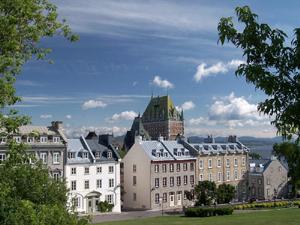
17,139
97,155
3,140
85,155
165,154
43,139
109,154
56,139
154,152
30,139
186,153
71,155
175,151
178,153
2,157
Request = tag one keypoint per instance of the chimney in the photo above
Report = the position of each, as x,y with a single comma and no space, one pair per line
105,139
232,139
57,125
209,139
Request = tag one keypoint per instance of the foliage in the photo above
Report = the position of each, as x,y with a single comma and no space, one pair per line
254,155
271,65
105,206
225,193
206,212
260,205
291,153
205,192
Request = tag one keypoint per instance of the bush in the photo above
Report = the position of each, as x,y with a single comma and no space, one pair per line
265,205
206,212
105,206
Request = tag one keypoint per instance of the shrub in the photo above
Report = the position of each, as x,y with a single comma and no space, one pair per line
105,206
206,212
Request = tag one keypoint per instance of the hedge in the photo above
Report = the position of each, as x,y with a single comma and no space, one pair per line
206,212
267,205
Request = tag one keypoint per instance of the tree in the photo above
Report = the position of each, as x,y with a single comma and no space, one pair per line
225,193
291,153
254,155
27,194
271,65
205,193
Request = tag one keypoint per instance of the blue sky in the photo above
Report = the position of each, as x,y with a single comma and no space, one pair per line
130,49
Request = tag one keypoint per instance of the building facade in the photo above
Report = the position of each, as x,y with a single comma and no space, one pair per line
268,179
223,163
93,173
45,143
157,174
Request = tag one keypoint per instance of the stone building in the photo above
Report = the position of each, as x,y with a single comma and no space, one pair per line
93,173
268,179
46,143
157,174
160,119
223,163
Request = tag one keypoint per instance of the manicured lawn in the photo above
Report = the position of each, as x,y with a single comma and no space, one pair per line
258,217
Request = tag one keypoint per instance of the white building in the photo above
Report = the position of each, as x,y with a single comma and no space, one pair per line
92,173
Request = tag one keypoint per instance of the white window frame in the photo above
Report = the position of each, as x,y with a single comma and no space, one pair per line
56,157
109,154
44,157
56,139
219,176
156,168
200,177
73,185
73,170
3,140
243,161
17,139
209,163
56,176
86,170
235,162
109,198
228,175
111,182
236,175
110,169
86,184
201,164
2,157
219,163
156,182
99,169
227,162
30,139
98,183
43,139
85,155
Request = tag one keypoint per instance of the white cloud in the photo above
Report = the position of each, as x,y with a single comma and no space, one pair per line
134,83
157,81
75,132
91,104
46,116
220,67
186,106
126,115
69,117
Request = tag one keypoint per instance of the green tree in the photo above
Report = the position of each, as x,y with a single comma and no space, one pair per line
225,193
254,155
270,64
205,192
27,194
291,153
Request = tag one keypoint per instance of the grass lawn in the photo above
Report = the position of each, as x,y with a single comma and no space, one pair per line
258,217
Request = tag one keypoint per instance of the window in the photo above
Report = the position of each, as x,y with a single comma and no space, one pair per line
85,155
243,161
210,163
268,181
56,158
164,182
185,180
192,181
99,183
2,140
30,139
156,198
86,184
71,155
73,185
2,157
178,181
111,183
165,197
43,157
56,176
86,170
201,164
110,169
134,196
109,199
210,177
56,139
171,181
178,167
236,175
219,177
73,170
227,163
156,168
99,169
228,175
201,177
17,139
97,155
164,168
134,168
185,166
43,139
171,167
235,162
268,192
76,202
109,154
134,180
156,182
259,181
243,173
192,166
219,163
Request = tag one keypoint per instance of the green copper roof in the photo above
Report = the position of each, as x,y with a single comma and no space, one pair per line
161,108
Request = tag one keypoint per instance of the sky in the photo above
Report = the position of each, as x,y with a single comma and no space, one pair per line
131,49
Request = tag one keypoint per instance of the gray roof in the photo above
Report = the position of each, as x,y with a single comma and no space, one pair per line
220,148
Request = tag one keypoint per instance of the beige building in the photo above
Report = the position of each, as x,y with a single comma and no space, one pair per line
157,175
268,179
223,163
